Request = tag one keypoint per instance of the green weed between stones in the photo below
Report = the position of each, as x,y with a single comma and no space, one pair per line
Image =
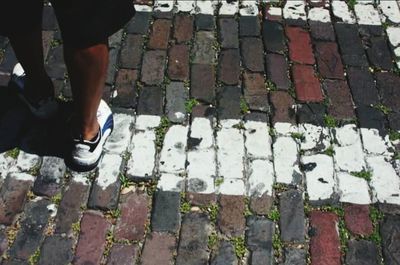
189,104
161,130
329,151
212,210
271,86
34,171
394,135
298,136
376,216
364,174
244,108
396,156
218,181
330,121
76,228
277,244
274,214
13,153
56,199
109,243
382,108
125,182
212,240
185,205
247,211
280,187
113,214
239,246
34,259
351,3
239,126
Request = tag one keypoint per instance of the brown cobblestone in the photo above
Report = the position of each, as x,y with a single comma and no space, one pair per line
252,54
122,254
300,49
203,82
229,71
357,219
131,51
125,86
329,61
307,85
178,62
161,243
340,104
231,219
183,28
153,67
277,70
282,106
160,34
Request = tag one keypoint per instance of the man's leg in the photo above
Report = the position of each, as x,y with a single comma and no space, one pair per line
87,68
29,52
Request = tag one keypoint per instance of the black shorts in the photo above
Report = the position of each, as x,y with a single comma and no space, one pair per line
82,22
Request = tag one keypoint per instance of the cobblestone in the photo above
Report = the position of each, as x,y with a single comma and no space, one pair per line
131,51
56,249
163,245
229,33
166,212
369,252
231,221
178,62
122,254
229,71
292,216
252,54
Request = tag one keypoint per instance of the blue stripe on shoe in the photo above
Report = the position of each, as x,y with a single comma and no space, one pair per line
109,124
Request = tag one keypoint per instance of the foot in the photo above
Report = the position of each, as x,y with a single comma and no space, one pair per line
42,104
85,154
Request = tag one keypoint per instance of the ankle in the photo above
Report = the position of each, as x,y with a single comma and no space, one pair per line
90,132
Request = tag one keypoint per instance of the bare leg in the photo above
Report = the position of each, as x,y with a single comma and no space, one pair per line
87,68
29,51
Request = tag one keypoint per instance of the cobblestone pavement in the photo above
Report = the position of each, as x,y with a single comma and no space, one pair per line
246,133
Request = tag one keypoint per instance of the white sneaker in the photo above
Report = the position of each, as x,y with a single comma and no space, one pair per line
45,108
85,155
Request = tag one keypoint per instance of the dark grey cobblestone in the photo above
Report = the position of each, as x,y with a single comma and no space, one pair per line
371,118
379,54
249,26
166,212
176,95
202,49
312,113
259,234
224,255
204,22
362,252
229,33
56,250
55,66
150,101
292,221
295,256
49,20
131,52
9,60
203,82
322,31
229,103
140,23
350,45
50,178
273,36
194,234
362,86
252,54
390,234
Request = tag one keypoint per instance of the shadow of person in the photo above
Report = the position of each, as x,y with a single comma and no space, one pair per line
20,129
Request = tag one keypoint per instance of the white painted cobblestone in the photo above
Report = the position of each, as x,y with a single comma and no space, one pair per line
22,176
353,189
285,128
394,35
286,160
232,187
201,171
374,143
275,11
164,5
315,137
385,183
147,122
249,8
367,15
185,5
319,176
109,170
261,178
348,149
171,182
230,152
319,14
258,140
173,155
228,8
119,139
143,8
390,11
143,151
341,11
6,163
294,10
205,7
27,161
201,129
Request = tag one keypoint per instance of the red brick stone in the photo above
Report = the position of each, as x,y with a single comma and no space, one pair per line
329,61
357,219
229,71
160,34
307,85
324,242
231,220
178,62
300,49
183,28
340,104
122,254
92,239
134,210
12,198
159,248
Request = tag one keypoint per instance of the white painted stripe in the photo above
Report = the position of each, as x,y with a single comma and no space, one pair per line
119,139
342,12
319,14
201,129
294,10
147,122
349,154
173,155
353,189
206,7
261,178
390,11
163,5
27,161
258,141
232,187
248,8
394,35
367,15
285,129
320,181
201,171
185,5
230,152
6,163
286,160
143,8
109,170
143,151
315,137
171,182
374,143
228,9
275,11
385,183
21,176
